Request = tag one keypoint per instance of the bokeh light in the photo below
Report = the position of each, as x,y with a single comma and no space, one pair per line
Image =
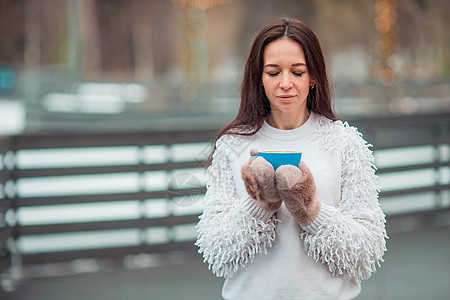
386,76
385,23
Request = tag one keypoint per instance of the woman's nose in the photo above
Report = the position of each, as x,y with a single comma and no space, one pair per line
286,83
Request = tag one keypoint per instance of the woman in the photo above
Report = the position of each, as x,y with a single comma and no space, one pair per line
307,232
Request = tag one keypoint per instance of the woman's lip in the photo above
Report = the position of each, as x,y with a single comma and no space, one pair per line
286,97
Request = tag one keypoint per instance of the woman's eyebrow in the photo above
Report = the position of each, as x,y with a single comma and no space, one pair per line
277,66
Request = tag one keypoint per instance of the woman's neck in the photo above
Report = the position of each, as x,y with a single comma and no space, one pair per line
287,121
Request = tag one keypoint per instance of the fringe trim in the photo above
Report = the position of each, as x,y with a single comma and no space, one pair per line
346,248
228,237
226,254
353,241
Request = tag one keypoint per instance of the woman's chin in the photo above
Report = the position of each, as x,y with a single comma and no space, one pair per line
288,108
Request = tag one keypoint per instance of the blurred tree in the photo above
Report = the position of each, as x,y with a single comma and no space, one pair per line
115,38
424,38
12,41
53,27
33,34
142,39
346,32
90,37
224,52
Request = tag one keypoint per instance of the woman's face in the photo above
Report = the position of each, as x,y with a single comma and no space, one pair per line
285,77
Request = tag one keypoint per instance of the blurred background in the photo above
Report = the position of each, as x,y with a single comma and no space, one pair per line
108,109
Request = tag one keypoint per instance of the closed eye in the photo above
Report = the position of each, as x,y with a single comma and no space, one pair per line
299,74
273,74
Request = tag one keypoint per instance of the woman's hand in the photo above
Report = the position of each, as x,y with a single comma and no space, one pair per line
259,181
297,188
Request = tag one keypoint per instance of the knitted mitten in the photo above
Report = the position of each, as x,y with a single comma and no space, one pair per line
258,177
297,188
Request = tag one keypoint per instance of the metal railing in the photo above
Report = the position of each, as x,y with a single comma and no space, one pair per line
403,132
12,201
386,133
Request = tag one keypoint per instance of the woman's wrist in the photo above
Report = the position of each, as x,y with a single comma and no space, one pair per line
326,212
258,212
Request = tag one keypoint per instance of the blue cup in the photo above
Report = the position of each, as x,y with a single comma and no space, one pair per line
279,158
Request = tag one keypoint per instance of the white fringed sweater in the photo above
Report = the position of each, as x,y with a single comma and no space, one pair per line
266,255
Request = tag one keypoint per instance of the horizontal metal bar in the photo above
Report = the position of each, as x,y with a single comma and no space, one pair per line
108,225
412,167
426,213
47,141
379,145
418,219
432,188
30,173
395,121
55,257
54,200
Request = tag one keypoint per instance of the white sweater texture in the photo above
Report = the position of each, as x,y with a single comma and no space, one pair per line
266,255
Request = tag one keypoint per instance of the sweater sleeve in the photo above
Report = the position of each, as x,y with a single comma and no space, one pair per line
350,238
231,230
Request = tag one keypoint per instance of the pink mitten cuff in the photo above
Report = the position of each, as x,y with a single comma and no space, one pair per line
256,211
297,188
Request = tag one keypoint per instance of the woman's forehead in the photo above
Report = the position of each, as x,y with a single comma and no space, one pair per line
284,51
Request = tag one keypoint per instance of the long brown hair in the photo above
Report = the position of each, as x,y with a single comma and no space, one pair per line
254,107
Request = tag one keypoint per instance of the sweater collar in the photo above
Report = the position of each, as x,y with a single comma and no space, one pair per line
290,134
